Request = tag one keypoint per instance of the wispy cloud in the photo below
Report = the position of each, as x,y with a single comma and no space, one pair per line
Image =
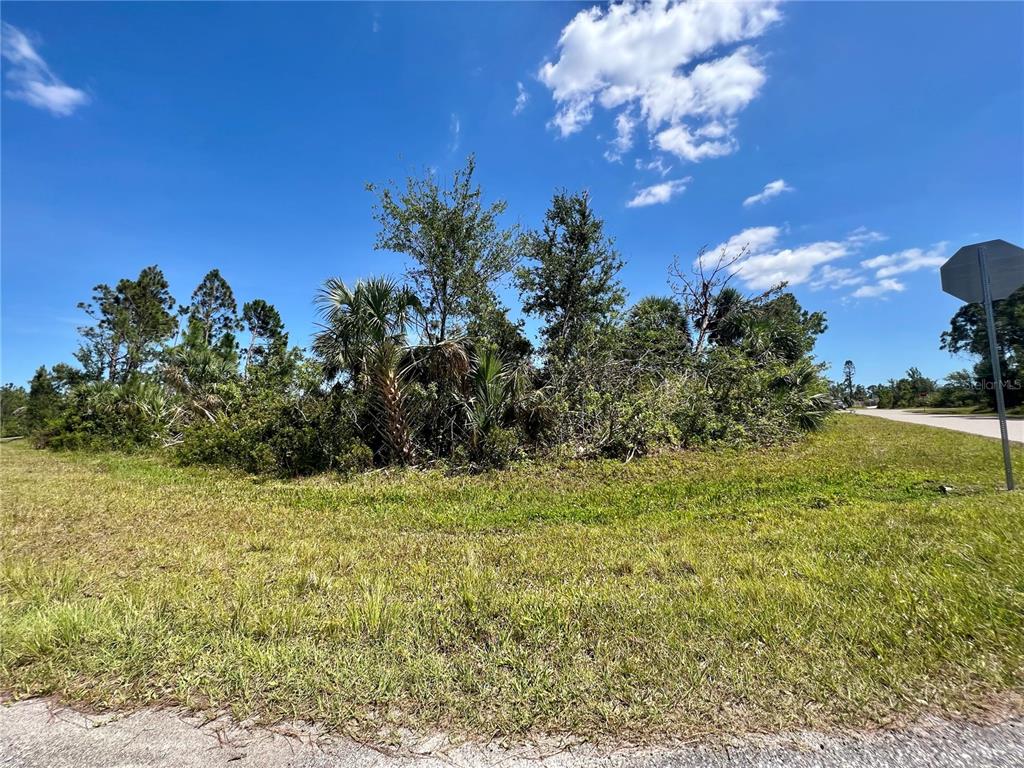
789,265
836,277
910,260
666,62
31,80
522,97
880,288
657,194
771,189
625,124
455,132
862,235
765,264
657,164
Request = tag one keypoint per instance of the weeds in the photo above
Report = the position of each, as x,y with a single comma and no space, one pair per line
372,614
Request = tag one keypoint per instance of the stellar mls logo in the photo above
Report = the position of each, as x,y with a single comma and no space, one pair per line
989,385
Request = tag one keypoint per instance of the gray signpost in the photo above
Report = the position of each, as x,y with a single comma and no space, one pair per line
983,273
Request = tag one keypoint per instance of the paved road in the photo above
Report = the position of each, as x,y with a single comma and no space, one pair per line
35,735
986,426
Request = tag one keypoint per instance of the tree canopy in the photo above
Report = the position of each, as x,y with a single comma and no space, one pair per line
132,320
571,281
456,246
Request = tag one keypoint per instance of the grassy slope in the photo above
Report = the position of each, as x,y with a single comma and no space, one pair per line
826,583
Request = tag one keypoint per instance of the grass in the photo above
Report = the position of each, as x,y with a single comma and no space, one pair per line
970,410
828,583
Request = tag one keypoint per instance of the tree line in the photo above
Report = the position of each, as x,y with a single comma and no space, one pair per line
431,367
968,335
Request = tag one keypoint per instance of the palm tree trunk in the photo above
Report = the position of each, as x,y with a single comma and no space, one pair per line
395,426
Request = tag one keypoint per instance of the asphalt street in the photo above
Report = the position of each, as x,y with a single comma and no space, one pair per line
986,426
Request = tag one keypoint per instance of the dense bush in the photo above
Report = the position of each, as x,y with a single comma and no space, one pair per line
280,422
276,434
13,407
105,416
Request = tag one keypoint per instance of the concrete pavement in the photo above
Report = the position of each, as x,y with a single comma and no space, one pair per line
986,426
36,734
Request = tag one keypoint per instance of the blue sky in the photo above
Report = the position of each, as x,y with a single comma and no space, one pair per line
240,136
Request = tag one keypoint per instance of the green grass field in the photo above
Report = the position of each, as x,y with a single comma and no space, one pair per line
828,583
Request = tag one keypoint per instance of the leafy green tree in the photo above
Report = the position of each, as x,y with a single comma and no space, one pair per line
458,249
772,323
13,408
961,388
849,371
199,374
656,333
205,362
213,312
132,320
571,282
779,325
44,401
67,377
968,334
364,336
490,323
268,340
910,391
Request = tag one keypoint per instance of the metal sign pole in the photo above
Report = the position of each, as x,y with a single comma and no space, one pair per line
997,373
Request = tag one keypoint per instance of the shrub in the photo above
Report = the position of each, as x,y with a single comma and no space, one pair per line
104,416
499,447
270,432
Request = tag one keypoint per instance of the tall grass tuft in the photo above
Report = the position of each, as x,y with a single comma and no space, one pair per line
373,613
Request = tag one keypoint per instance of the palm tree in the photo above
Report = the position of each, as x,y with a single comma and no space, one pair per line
364,335
199,373
727,319
492,388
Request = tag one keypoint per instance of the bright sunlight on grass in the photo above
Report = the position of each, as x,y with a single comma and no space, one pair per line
829,582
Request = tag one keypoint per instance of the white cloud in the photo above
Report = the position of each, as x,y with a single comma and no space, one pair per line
657,165
574,116
682,143
764,264
910,260
657,194
31,79
789,265
522,96
771,189
455,129
878,289
863,235
836,277
753,239
641,59
625,124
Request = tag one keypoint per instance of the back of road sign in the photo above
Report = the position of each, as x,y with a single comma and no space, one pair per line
961,275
